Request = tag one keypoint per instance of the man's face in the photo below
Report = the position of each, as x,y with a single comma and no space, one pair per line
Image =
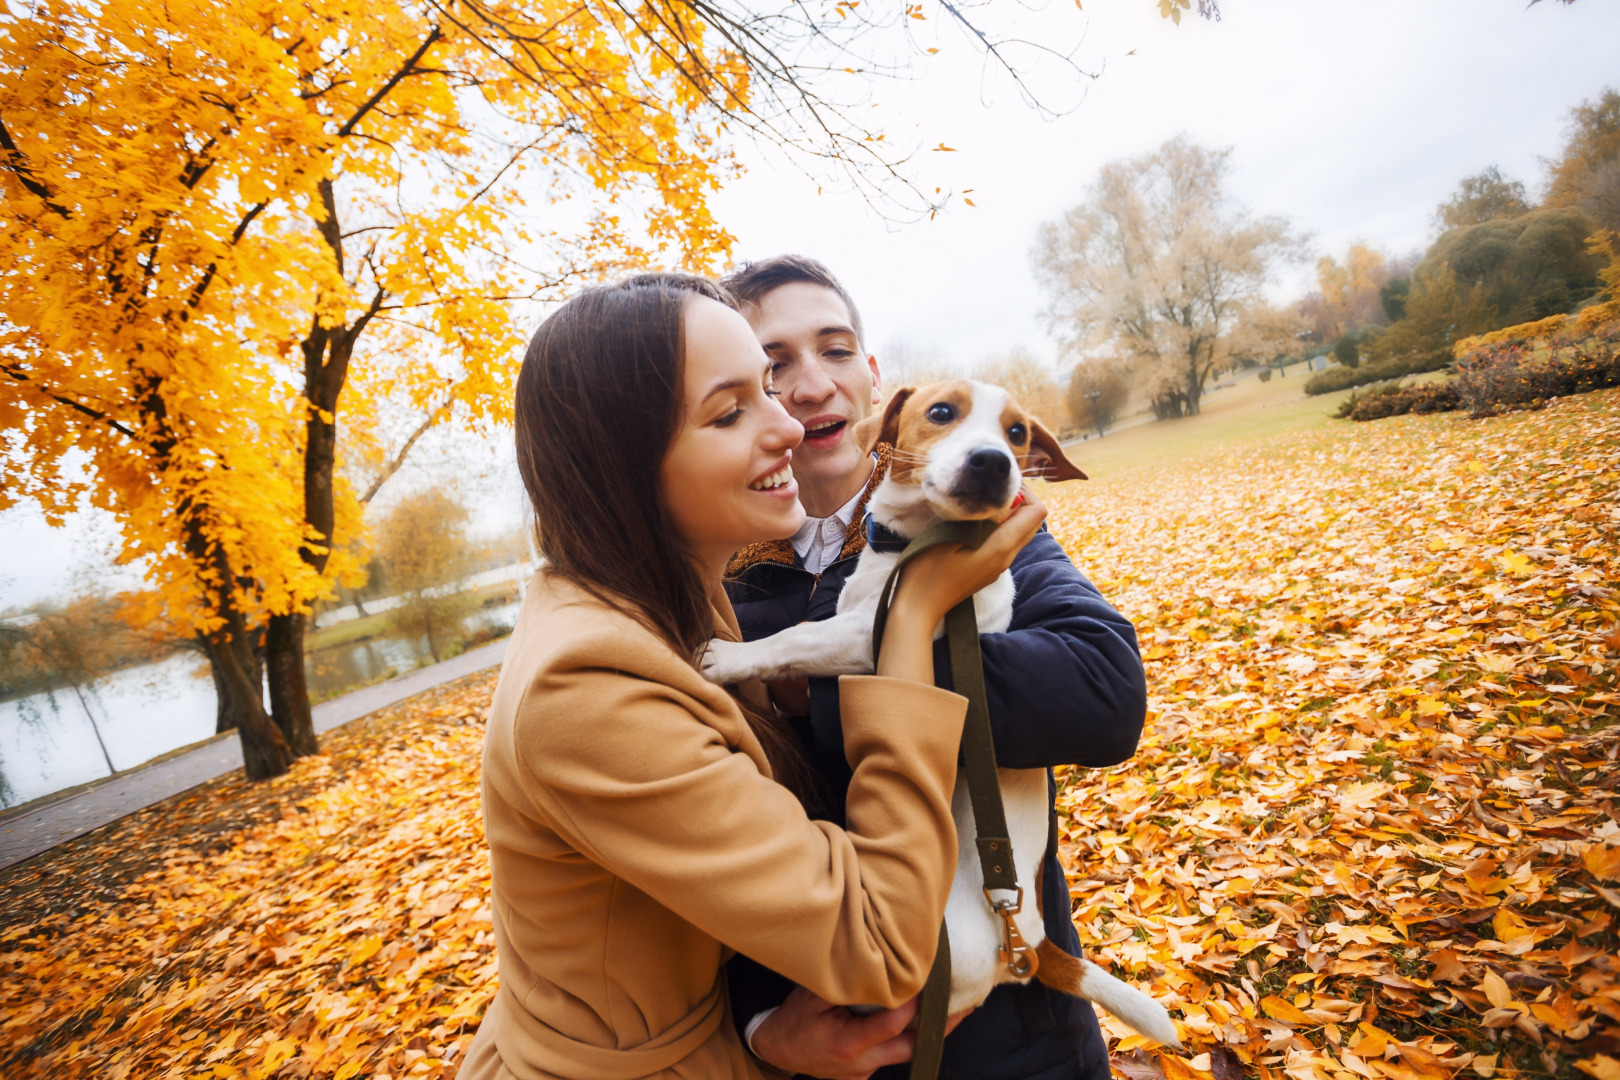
827,383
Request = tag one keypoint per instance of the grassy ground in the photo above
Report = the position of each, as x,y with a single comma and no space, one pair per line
1248,414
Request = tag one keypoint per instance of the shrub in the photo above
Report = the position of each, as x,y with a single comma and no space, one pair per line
1342,378
1395,400
1344,351
1265,374
1498,375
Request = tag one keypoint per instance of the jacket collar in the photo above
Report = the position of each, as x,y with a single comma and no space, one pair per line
781,551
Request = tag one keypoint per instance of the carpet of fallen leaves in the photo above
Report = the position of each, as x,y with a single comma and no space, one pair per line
1371,830
1368,833
337,926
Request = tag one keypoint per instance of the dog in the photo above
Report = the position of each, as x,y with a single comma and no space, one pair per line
961,450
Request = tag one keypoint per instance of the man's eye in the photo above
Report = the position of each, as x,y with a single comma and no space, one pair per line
1017,434
773,393
942,413
839,354
777,365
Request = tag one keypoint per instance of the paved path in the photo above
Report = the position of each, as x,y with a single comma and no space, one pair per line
26,834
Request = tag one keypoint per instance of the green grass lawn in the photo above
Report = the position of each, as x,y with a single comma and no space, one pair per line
1247,413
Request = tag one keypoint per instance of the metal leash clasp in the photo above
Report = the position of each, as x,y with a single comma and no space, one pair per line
1015,951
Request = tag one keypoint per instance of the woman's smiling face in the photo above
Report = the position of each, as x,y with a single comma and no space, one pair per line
726,478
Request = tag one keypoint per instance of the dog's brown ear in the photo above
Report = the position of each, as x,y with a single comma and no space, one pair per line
1046,458
884,427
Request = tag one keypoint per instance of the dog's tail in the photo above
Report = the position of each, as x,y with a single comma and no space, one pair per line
1084,979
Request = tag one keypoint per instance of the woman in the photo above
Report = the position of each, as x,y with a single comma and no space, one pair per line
640,820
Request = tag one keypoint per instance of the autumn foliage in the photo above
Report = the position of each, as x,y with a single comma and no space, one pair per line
1370,832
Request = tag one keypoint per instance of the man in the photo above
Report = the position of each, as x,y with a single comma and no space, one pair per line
1064,686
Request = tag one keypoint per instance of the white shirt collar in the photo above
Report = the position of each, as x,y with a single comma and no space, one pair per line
819,540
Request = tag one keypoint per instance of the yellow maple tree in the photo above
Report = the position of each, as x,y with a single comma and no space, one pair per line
207,206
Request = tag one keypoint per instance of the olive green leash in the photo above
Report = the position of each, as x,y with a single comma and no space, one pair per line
984,791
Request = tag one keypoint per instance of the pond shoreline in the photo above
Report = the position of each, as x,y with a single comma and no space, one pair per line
42,823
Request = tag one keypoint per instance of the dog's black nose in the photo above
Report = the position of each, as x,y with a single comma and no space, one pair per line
989,463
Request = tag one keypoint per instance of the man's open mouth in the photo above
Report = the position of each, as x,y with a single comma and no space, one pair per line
823,429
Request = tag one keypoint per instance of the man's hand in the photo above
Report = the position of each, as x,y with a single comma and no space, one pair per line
791,695
809,1035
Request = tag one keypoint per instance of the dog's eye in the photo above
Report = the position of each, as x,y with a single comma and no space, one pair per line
1017,434
942,412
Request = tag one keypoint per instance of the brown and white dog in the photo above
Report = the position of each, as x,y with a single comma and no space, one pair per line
961,449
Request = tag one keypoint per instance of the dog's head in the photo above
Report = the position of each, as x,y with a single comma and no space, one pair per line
965,445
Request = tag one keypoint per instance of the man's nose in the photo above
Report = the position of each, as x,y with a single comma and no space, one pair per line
812,384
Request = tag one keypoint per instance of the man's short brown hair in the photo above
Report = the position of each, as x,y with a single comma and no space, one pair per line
750,283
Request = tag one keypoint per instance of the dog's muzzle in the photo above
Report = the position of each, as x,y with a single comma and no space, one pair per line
986,480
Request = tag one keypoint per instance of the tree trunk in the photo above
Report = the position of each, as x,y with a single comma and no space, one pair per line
289,691
264,752
228,716
327,351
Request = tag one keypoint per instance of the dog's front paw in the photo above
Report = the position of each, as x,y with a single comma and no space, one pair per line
729,662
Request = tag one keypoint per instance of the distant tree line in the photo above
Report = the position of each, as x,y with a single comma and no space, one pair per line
1500,260
1155,283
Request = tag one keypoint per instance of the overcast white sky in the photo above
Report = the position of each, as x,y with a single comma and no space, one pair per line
1353,118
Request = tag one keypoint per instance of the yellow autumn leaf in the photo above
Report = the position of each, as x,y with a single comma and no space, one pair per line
1278,1009
1497,993
1508,926
365,949
1516,564
1602,861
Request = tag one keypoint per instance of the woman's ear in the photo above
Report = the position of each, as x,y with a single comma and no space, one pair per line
1046,458
884,427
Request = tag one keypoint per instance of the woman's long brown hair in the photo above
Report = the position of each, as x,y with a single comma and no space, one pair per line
600,398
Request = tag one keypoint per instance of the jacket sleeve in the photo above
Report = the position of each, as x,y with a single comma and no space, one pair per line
1064,683
652,793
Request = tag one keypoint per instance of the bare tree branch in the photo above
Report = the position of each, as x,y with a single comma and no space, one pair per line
398,459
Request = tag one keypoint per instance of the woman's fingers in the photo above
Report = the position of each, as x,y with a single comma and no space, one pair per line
948,574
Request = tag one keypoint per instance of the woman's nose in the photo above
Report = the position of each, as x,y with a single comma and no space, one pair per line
784,432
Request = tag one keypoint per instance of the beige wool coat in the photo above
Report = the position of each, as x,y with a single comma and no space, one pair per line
636,839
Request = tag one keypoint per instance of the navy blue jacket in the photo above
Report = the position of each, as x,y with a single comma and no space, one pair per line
1065,686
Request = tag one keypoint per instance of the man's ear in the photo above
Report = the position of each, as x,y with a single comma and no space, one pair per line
886,427
1046,457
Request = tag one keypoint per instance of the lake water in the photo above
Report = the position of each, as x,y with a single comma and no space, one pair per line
48,741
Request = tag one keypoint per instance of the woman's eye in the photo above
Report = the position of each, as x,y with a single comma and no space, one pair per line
730,418
942,413
1017,434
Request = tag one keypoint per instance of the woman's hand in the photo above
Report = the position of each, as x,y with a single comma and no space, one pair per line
939,579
